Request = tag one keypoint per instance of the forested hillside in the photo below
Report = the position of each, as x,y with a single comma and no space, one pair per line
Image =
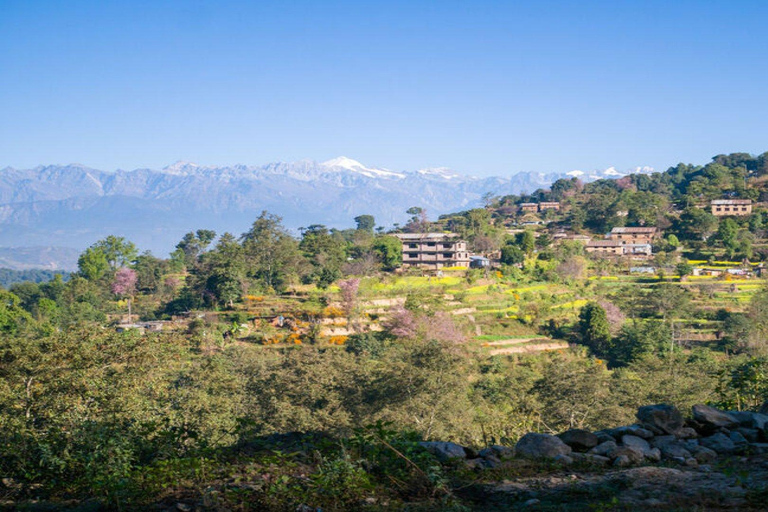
261,371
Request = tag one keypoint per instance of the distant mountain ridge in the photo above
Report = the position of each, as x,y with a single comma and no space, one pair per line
73,205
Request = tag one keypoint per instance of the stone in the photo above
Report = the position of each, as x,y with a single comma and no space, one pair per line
704,455
622,461
760,448
720,443
578,439
501,452
739,441
541,446
674,450
632,430
183,507
653,455
603,437
636,442
635,455
565,460
691,462
763,408
663,417
444,451
687,433
596,459
713,418
479,464
604,449
752,435
660,441
532,502
749,419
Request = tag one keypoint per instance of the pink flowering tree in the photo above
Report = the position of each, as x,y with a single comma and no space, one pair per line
124,285
349,289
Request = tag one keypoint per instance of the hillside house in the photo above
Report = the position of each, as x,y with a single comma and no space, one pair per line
724,207
549,205
609,247
633,235
529,207
433,250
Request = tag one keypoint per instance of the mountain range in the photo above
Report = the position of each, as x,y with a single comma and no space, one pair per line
72,206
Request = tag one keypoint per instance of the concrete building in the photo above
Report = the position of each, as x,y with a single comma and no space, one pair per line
529,207
723,207
633,235
611,247
433,250
549,205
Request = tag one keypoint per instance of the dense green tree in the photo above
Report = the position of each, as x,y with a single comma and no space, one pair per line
118,251
594,327
272,254
92,264
389,250
365,223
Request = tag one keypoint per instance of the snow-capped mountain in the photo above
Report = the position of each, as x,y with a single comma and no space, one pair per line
73,205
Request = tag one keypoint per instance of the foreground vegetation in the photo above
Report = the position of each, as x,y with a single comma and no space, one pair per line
303,372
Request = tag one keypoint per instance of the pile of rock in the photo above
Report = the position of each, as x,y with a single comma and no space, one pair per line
661,433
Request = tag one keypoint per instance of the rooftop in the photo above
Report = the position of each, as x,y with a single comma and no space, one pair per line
732,201
634,230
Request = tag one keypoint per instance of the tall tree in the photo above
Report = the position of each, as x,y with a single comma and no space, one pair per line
594,328
272,254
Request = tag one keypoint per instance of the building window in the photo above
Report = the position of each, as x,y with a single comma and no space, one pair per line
413,255
412,246
431,244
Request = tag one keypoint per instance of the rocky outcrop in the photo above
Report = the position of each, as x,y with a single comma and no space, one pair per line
661,434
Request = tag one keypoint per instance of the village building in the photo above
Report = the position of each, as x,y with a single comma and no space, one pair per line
611,247
529,207
724,207
633,235
549,205
433,250
617,248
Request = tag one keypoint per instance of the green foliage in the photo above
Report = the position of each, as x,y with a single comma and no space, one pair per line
389,250
594,328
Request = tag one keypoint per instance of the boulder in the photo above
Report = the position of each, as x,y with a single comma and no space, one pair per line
687,433
739,441
444,451
632,430
704,455
750,434
763,408
603,436
636,442
541,446
565,460
590,458
749,419
604,449
662,417
578,439
659,441
713,419
495,450
633,454
674,450
719,443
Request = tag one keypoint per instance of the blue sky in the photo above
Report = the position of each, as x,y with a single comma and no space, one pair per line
482,87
